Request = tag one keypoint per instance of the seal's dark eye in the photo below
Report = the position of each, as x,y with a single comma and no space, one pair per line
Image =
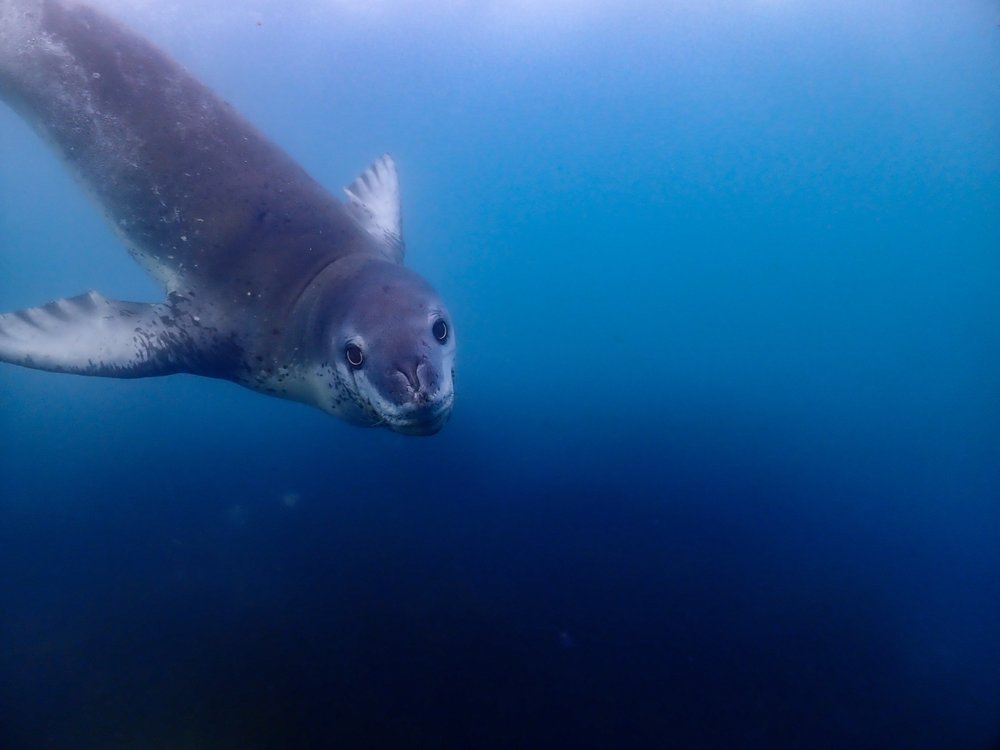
355,357
440,330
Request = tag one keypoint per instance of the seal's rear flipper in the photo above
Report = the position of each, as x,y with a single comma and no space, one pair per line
92,335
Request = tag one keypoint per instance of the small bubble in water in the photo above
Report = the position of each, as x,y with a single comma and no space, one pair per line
564,640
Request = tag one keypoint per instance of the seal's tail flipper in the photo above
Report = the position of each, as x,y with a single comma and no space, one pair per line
92,335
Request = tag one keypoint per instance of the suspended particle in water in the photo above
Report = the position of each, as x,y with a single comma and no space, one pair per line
565,640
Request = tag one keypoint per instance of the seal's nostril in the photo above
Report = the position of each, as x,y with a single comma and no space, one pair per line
425,374
412,379
418,375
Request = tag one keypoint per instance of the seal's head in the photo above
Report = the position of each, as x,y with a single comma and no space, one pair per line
391,349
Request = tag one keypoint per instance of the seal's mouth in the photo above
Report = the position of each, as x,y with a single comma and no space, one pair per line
425,419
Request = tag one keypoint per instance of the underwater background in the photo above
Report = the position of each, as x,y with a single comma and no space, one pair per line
724,466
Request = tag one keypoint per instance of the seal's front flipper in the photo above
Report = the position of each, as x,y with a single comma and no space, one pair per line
91,335
373,200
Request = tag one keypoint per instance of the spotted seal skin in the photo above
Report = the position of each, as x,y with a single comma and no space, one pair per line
271,282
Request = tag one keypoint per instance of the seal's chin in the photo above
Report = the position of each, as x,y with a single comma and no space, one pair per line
425,419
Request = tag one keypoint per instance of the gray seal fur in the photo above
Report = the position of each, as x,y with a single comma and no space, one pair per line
271,282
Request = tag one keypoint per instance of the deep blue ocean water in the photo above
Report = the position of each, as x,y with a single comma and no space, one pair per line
724,467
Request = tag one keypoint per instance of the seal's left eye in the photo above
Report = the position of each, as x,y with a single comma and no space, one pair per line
440,330
355,357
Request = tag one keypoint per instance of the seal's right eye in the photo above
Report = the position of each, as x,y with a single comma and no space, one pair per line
440,330
355,357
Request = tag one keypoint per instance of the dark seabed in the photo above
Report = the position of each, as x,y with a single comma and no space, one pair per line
724,469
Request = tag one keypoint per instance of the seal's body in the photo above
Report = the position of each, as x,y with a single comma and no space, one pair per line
271,282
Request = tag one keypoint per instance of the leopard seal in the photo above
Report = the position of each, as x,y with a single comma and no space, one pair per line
271,282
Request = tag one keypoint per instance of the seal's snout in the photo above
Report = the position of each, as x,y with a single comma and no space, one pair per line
415,382
421,398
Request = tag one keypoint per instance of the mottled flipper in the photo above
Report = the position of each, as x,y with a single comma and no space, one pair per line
373,200
92,335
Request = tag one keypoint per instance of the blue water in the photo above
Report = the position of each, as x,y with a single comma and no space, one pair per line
724,467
